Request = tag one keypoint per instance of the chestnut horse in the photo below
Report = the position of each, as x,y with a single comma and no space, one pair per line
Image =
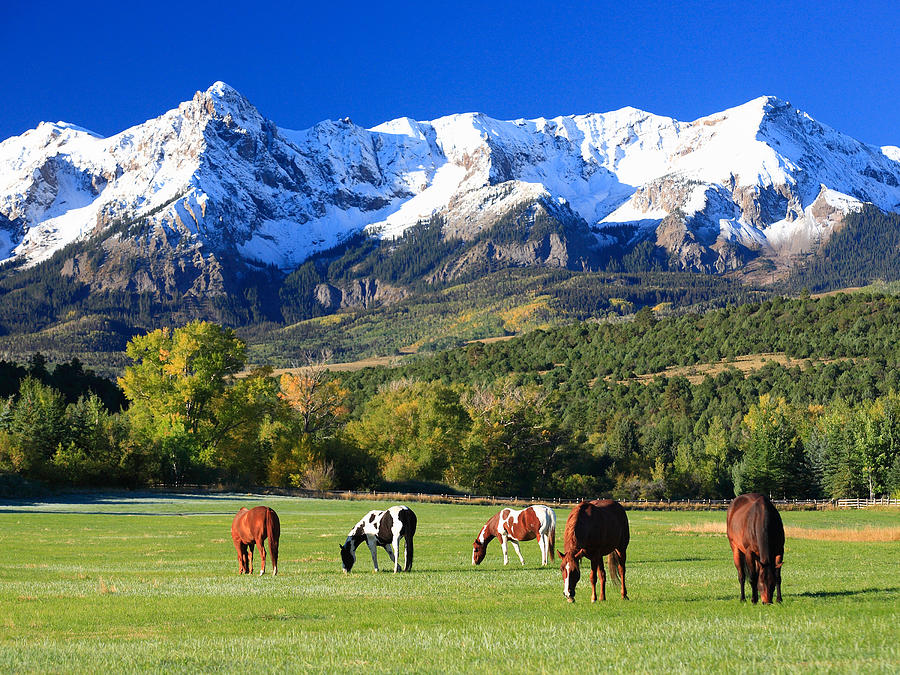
535,522
756,535
594,529
251,527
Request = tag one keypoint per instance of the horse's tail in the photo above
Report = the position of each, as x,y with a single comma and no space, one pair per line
614,565
273,532
552,536
409,529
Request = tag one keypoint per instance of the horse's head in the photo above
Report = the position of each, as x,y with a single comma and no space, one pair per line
479,549
348,556
769,577
570,565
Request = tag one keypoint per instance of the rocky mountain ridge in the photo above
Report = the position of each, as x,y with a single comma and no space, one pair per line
217,188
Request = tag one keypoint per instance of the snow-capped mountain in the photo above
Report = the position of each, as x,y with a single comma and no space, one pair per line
214,183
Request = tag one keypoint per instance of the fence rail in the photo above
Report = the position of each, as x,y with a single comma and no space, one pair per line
864,503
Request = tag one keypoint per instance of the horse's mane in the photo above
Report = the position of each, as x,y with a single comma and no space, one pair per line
491,526
569,533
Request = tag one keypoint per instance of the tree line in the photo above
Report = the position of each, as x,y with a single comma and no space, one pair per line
557,412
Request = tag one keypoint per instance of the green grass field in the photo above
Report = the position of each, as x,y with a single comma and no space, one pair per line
151,584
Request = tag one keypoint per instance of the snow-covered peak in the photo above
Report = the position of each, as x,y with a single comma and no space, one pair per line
402,126
67,126
892,152
215,170
221,89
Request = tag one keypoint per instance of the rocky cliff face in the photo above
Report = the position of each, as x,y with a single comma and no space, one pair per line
217,188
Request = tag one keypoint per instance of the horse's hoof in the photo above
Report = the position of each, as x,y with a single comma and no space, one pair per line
570,599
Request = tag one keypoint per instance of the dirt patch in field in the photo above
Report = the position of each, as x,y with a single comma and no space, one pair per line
865,534
696,373
700,528
349,366
490,340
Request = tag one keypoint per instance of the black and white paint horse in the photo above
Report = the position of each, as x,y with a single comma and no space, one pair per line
386,529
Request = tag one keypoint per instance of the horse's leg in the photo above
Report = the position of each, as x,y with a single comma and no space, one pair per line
542,545
393,551
621,566
754,578
602,570
262,552
397,567
518,552
503,548
739,563
778,584
373,547
240,554
250,546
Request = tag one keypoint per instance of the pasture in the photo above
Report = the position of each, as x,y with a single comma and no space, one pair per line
150,583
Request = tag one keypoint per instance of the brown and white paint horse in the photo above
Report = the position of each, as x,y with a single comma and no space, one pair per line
535,522
594,529
250,528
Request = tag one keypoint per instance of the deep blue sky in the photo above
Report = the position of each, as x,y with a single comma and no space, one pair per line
109,65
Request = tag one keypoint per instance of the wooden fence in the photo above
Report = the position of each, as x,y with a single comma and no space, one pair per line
864,503
640,504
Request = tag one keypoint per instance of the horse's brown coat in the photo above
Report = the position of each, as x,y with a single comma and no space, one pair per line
251,527
756,535
594,529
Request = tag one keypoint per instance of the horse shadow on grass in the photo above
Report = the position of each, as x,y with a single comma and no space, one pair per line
666,561
846,593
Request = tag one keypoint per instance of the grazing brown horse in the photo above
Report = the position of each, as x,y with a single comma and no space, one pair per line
251,527
756,536
594,529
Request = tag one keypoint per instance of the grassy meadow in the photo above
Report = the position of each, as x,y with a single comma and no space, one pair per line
150,583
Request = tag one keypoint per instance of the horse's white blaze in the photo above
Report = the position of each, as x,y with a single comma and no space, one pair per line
566,581
483,534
